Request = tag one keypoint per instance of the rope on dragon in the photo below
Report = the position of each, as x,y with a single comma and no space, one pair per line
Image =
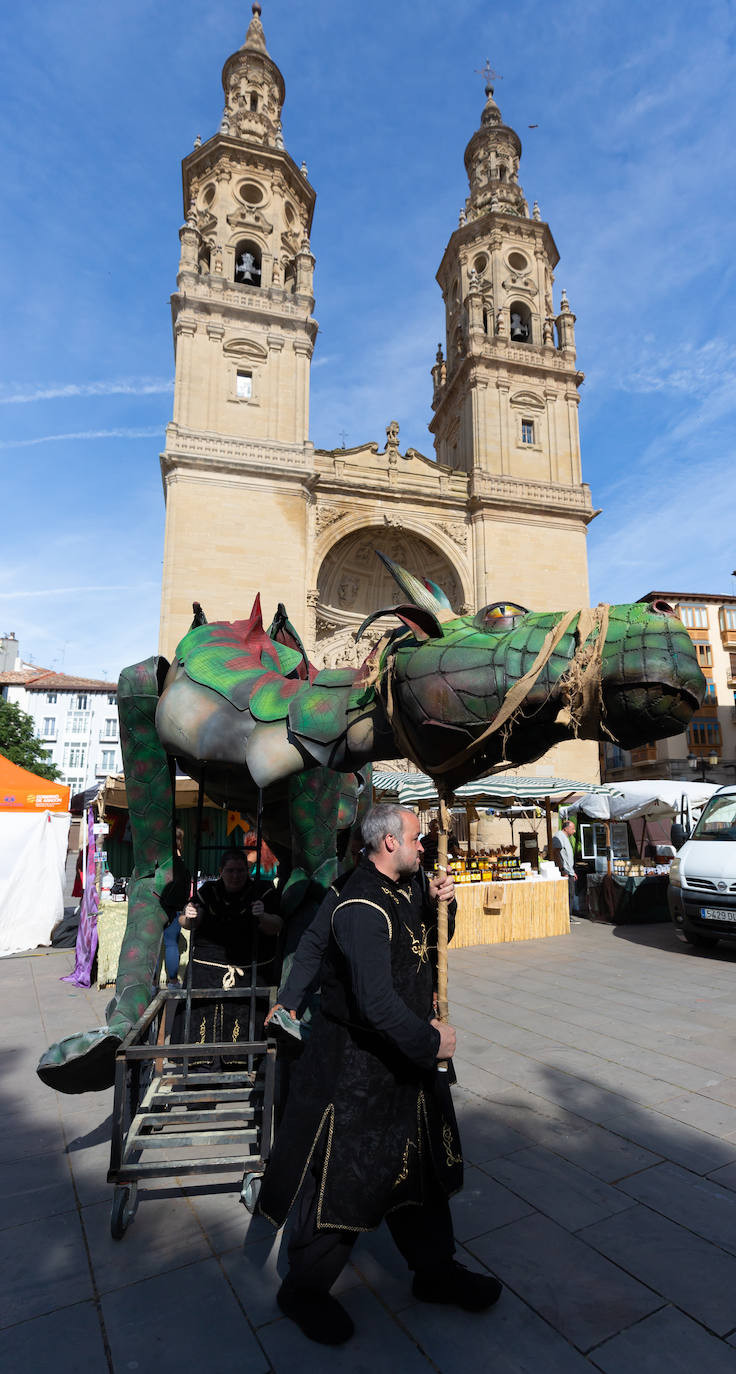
580,690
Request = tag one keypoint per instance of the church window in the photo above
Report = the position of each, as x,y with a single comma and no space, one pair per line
480,264
204,259
521,322
527,431
243,385
501,172
487,322
289,213
251,193
248,264
289,277
253,101
518,262
208,195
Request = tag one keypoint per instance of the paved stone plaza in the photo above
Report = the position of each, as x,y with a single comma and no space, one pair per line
597,1101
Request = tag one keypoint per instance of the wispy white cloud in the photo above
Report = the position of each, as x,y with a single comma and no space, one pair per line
69,591
148,433
132,386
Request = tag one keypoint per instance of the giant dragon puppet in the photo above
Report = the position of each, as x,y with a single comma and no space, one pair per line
241,709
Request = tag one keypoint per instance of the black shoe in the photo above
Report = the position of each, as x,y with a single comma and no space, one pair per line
457,1286
318,1316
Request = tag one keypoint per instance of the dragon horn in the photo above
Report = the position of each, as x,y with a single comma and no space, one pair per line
417,593
437,592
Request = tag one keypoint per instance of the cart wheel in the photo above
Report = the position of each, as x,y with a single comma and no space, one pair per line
250,1191
123,1207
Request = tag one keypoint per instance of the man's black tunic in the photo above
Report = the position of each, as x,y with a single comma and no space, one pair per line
367,1092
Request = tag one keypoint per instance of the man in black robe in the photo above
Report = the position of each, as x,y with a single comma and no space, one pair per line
369,1129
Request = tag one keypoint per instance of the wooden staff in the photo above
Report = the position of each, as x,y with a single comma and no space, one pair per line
442,924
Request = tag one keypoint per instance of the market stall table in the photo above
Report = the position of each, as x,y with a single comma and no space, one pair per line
496,912
111,922
628,898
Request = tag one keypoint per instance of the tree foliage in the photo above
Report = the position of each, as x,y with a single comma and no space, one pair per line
19,744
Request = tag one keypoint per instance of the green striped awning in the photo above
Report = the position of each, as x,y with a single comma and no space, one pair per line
501,790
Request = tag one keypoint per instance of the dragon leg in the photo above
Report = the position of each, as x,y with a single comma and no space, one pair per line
86,1062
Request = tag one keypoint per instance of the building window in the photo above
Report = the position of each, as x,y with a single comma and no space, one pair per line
107,760
253,101
111,698
79,721
527,431
248,264
111,728
710,688
49,726
705,734
82,701
51,698
74,755
727,618
732,663
243,385
694,617
703,651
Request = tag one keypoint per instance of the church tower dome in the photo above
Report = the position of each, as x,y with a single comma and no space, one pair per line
254,89
492,164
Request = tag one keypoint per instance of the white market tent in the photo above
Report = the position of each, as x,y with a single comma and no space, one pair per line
34,831
651,797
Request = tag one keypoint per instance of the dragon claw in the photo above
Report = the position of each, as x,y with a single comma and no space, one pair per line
81,1063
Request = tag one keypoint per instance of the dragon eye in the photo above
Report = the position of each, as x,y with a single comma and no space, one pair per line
502,615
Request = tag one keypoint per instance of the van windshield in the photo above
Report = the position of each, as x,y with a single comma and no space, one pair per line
718,821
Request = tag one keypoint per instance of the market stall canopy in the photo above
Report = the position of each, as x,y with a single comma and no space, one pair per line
500,790
649,797
24,791
187,791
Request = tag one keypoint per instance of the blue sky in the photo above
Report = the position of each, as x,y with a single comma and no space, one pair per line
632,163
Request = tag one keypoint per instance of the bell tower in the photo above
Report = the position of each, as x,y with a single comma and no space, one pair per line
238,445
505,394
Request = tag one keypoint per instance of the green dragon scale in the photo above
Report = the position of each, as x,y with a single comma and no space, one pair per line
241,709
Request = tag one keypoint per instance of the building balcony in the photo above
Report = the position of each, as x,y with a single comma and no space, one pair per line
108,739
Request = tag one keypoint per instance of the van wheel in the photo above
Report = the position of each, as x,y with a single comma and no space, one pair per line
700,941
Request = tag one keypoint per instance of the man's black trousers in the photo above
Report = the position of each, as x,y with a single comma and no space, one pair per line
423,1235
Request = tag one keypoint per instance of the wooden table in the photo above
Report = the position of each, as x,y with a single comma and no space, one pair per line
494,913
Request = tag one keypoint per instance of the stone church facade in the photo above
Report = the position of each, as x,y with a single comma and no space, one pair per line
251,506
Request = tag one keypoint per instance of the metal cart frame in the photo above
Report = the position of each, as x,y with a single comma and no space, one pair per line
163,1104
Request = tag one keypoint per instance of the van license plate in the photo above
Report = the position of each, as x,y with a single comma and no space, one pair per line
714,913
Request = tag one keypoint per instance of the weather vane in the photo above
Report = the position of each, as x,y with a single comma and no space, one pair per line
488,73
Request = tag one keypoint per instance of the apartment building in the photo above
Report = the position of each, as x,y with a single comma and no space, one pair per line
76,718
708,748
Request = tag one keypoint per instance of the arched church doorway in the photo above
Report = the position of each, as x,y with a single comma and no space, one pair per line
353,582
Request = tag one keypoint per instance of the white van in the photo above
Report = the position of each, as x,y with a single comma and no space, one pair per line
702,887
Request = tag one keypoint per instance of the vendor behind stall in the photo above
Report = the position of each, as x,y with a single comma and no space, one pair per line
562,853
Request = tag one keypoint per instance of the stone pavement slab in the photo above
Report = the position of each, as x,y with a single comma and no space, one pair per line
558,1189
700,1204
690,1272
66,1342
665,1340
580,1293
190,1322
43,1266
